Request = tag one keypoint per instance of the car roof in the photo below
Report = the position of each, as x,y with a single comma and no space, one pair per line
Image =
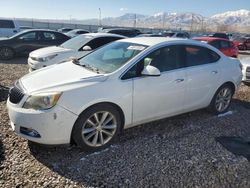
103,35
209,38
42,30
126,29
151,41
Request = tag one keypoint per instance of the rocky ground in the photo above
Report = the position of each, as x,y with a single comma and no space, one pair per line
174,152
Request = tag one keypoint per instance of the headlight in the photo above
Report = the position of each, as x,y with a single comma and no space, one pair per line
42,101
44,59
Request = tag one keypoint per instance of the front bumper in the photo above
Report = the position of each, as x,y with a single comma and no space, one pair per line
54,125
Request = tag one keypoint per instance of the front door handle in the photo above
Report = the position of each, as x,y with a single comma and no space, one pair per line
179,80
214,72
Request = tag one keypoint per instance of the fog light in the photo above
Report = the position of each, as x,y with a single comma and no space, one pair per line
29,132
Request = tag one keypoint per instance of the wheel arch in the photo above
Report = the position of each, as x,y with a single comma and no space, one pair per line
119,109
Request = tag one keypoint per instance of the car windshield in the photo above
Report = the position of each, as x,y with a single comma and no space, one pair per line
77,42
111,57
18,34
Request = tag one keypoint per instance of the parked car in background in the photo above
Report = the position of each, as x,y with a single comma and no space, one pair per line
220,35
8,27
127,32
175,34
243,43
64,30
149,35
225,46
121,85
76,32
22,28
73,48
246,71
29,40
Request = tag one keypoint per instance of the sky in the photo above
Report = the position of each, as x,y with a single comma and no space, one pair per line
85,9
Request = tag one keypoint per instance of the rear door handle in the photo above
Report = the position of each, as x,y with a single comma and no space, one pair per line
214,72
179,80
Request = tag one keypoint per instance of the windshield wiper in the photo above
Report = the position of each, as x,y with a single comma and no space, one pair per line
88,66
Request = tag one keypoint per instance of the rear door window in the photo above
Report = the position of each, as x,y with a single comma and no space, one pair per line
197,55
7,24
49,36
215,44
224,44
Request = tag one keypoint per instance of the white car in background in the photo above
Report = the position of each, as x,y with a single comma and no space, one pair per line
121,85
73,48
76,32
246,71
8,27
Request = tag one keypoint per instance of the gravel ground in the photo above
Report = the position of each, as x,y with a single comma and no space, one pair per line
174,152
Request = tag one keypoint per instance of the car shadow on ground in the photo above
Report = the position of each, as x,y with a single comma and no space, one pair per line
74,158
78,165
2,156
3,93
16,60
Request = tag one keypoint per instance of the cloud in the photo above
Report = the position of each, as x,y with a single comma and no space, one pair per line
123,9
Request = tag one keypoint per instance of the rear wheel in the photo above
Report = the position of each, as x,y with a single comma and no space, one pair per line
222,99
6,53
97,127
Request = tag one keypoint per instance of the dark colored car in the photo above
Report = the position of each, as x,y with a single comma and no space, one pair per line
243,43
227,47
220,35
149,35
175,34
127,32
26,41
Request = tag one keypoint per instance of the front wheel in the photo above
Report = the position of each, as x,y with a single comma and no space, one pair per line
221,100
97,127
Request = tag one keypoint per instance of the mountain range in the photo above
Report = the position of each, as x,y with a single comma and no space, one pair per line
239,18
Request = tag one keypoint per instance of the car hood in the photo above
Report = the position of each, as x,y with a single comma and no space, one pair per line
44,52
59,77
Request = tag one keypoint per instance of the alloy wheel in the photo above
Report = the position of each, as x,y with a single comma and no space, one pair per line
99,129
223,99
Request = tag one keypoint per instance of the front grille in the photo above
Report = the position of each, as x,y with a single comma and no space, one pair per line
15,95
248,69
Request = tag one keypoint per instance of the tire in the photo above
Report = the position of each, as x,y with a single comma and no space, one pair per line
6,53
221,100
244,47
91,135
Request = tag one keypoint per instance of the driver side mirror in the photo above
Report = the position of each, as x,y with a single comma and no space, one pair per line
86,48
150,71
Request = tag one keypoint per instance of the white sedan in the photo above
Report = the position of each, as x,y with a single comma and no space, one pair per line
73,48
246,71
121,85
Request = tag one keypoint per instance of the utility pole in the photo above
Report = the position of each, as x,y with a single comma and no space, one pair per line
192,22
100,17
135,21
163,20
202,24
